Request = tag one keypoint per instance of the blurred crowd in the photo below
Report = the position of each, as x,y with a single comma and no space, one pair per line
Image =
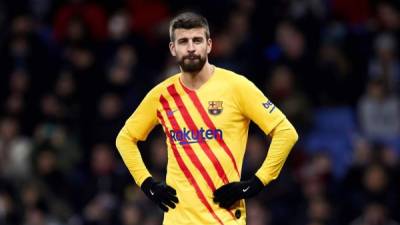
72,71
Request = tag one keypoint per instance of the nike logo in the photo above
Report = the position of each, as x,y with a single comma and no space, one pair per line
246,189
170,112
151,192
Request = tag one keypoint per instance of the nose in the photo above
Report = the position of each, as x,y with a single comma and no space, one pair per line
190,47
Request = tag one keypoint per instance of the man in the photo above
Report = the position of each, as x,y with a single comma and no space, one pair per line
205,113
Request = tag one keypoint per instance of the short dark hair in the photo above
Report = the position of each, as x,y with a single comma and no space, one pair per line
188,20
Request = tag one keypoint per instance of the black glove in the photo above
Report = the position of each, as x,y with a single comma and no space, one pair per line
228,194
160,193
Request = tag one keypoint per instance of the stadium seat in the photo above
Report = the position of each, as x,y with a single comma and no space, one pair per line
332,133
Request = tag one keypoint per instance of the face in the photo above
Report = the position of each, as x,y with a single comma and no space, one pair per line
191,48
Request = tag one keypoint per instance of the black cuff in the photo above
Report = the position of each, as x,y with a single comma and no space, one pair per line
147,184
256,182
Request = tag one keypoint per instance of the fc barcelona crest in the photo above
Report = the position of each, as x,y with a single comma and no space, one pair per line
215,107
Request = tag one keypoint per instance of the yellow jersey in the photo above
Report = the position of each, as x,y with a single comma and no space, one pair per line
206,133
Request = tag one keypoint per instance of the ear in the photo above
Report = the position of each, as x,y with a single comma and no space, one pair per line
172,48
209,45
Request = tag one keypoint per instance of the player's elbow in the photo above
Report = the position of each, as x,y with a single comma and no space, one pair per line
123,138
118,140
290,132
294,135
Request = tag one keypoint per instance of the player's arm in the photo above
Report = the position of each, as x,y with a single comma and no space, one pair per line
271,120
137,128
284,136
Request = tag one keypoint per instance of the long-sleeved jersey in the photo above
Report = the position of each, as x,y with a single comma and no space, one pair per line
206,133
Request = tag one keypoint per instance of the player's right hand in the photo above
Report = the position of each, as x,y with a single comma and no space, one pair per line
160,193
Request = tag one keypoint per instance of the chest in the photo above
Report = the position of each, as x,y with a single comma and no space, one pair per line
214,107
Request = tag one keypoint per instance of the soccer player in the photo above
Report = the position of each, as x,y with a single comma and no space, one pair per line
205,112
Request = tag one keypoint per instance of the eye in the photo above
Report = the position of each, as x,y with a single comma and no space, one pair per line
198,40
182,41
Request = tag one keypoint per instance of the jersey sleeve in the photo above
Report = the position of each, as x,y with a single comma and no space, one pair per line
137,127
256,106
284,136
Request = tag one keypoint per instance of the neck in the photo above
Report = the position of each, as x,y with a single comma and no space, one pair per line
196,80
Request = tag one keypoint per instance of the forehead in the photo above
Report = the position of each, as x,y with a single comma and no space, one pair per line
190,33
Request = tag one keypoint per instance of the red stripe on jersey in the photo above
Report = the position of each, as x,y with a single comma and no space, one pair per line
186,170
196,101
192,126
188,149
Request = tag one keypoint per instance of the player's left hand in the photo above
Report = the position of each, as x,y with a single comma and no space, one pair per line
228,194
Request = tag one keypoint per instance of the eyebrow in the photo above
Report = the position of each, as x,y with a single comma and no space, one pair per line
193,38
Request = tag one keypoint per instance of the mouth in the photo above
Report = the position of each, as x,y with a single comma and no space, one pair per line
192,57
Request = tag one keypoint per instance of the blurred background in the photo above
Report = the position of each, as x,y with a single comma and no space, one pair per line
72,71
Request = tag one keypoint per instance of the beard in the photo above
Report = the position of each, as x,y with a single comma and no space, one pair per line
192,63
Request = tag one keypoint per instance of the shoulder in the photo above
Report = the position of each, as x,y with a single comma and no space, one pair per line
233,78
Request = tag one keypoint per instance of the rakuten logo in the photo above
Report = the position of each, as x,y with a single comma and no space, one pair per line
195,136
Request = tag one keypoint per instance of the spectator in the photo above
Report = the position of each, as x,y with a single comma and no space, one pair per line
374,213
378,113
385,66
14,151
